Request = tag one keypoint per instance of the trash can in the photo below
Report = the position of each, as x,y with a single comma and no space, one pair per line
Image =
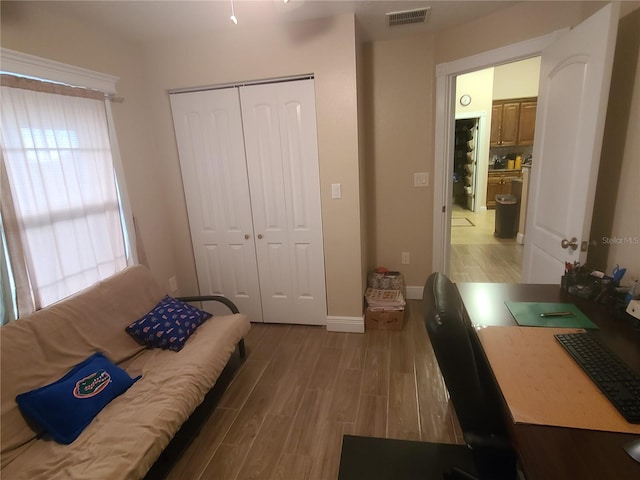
507,209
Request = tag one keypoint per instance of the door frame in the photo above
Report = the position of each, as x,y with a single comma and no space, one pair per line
446,74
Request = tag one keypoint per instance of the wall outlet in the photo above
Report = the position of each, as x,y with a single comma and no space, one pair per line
405,258
173,285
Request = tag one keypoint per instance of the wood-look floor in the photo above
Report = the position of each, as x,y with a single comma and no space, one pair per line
479,256
486,263
301,388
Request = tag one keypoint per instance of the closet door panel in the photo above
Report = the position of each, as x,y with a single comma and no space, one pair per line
267,186
301,169
208,128
287,138
265,173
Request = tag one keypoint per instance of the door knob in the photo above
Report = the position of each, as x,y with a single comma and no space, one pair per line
259,236
566,243
246,236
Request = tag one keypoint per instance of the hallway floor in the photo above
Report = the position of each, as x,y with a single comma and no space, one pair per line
479,256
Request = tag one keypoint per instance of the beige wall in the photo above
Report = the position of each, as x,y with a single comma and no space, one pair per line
517,79
523,21
325,48
362,148
479,85
399,136
39,30
615,231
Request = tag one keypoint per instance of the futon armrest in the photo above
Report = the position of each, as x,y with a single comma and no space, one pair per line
209,298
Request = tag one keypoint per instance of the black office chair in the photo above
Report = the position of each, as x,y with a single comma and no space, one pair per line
467,377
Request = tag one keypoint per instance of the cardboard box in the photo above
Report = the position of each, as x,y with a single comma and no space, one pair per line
384,319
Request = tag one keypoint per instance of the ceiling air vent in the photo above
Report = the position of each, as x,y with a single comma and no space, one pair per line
407,17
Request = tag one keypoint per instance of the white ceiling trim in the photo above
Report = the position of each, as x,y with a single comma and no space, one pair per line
32,66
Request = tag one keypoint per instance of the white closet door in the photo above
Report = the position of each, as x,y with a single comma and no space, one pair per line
208,128
282,159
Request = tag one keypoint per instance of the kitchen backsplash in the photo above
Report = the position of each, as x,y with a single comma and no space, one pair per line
498,156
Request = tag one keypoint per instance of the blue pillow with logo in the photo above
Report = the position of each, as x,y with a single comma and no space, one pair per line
168,325
64,408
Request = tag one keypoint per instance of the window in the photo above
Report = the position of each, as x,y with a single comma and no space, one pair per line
64,196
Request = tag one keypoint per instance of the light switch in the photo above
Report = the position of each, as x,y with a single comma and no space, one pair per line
336,190
421,179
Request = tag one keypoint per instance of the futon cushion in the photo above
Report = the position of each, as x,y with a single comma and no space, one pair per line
64,408
168,325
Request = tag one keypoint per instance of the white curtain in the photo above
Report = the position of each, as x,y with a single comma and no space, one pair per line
58,161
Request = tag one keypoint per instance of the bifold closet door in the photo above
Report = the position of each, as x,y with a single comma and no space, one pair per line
208,127
279,123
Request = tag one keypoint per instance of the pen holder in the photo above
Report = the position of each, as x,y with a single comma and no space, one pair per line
582,284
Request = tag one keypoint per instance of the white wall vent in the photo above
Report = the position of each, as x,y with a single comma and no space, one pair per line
406,17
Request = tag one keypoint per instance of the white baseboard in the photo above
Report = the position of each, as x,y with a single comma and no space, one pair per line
520,239
414,293
345,324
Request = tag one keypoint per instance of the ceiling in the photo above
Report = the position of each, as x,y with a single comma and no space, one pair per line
155,19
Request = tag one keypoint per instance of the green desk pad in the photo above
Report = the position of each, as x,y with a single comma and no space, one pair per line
528,314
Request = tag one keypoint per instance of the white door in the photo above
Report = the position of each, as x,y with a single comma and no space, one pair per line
282,159
209,134
575,74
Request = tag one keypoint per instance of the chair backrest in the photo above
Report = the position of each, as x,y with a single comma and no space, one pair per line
466,375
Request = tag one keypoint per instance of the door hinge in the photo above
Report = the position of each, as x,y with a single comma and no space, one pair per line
584,246
444,209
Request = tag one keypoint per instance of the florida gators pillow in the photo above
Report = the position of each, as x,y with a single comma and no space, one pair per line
168,325
64,408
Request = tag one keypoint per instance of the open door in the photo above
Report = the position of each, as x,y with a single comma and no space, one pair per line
575,75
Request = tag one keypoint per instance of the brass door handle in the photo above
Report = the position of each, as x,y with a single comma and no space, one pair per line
573,243
259,236
246,236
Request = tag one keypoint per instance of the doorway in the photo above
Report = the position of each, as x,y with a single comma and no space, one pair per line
446,99
492,152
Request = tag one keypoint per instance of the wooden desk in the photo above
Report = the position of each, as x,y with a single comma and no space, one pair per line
549,453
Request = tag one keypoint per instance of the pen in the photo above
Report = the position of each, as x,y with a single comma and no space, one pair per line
557,314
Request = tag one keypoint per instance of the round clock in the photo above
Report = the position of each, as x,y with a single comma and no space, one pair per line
465,100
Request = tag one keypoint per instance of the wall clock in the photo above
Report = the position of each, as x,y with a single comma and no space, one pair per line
465,100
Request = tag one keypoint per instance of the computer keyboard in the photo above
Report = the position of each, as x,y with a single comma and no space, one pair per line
617,381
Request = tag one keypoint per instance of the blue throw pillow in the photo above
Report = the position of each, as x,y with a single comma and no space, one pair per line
64,408
168,325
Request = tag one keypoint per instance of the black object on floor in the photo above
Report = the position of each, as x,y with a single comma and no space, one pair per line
369,458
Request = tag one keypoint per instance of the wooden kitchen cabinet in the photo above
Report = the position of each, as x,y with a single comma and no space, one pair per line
527,122
499,183
496,125
513,122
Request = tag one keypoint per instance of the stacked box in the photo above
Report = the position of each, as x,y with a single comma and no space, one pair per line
386,281
384,319
384,301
